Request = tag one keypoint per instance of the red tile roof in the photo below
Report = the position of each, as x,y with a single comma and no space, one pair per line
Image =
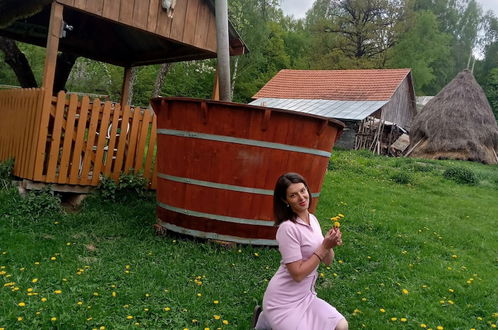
344,85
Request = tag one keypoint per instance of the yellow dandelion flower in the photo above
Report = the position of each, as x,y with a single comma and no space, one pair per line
405,291
166,309
30,290
34,280
451,302
95,293
146,309
53,319
129,317
493,325
206,329
21,304
403,319
341,215
89,319
58,291
102,328
225,322
256,254
479,318
394,318
439,327
216,302
43,299
454,256
322,275
79,303
382,310
114,294
53,258
423,325
340,261
20,318
194,321
451,290
216,317
127,266
199,294
337,224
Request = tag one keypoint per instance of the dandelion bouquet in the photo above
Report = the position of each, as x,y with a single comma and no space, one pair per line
337,220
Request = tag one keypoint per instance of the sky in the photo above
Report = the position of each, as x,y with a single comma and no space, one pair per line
298,8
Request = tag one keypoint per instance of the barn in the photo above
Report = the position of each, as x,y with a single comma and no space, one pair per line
363,99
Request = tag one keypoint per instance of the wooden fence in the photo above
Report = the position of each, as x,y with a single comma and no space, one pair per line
75,141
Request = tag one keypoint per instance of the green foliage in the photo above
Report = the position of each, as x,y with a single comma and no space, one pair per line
130,186
6,177
461,175
491,90
39,203
402,178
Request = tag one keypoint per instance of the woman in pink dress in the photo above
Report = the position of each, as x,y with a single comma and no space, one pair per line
290,301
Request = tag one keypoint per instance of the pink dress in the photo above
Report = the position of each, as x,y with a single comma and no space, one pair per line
288,304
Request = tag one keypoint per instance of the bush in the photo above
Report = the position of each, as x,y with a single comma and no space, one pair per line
402,178
40,203
461,175
6,177
130,186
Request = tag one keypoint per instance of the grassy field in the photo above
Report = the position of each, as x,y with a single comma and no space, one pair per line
420,251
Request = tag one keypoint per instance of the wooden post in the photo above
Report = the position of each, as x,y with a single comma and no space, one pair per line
53,36
125,91
54,30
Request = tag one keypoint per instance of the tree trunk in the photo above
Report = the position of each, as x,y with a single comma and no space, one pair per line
132,83
161,75
18,62
65,63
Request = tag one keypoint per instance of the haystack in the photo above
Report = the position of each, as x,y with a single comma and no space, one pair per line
456,124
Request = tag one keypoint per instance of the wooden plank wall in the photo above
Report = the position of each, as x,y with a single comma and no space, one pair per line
20,110
401,108
193,22
88,139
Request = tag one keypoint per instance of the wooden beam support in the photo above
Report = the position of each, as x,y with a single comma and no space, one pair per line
53,36
216,86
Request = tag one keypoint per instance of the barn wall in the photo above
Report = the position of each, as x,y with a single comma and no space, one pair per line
401,108
193,22
348,135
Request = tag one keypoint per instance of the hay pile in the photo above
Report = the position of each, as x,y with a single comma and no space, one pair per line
456,124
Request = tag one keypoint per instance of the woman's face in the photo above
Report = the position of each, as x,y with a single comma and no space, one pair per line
297,197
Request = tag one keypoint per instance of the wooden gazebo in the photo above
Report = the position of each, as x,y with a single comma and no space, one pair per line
61,139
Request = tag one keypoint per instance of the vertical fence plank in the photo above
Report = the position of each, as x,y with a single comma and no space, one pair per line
88,156
116,116
132,140
148,169
122,142
69,131
101,144
142,139
77,158
56,137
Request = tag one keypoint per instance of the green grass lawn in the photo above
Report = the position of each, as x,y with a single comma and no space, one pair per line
418,250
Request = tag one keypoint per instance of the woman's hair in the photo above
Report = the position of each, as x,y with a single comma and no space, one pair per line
281,211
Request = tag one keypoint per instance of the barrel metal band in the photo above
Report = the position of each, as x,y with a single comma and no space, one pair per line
255,143
197,233
216,216
220,185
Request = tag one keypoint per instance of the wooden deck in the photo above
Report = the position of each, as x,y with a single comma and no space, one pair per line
71,140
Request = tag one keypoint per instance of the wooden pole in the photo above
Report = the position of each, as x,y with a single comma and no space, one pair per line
222,48
53,36
125,91
216,87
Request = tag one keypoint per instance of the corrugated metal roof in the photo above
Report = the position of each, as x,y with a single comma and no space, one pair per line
346,110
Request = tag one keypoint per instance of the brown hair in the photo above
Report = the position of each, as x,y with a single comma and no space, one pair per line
281,211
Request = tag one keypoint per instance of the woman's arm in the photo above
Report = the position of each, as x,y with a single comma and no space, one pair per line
302,268
329,257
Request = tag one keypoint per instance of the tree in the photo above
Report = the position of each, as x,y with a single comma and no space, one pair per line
420,48
492,90
18,62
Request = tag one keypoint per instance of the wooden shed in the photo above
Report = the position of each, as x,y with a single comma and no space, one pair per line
360,98
63,140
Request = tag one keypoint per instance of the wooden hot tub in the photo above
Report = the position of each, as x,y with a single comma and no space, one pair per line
217,164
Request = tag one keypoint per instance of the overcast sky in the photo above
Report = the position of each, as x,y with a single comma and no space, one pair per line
298,8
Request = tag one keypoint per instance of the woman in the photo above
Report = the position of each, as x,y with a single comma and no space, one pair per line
290,301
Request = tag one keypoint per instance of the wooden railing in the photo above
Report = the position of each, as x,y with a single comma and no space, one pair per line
75,141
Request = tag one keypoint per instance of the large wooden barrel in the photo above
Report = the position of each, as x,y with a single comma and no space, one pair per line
217,164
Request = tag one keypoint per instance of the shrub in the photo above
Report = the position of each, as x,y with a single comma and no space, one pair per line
461,175
40,203
130,186
6,177
402,178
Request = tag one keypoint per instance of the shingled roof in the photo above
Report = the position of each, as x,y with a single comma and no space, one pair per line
345,85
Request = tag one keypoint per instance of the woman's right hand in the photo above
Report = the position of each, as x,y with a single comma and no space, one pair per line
332,238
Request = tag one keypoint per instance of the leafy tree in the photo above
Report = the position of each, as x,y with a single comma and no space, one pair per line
420,48
492,90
